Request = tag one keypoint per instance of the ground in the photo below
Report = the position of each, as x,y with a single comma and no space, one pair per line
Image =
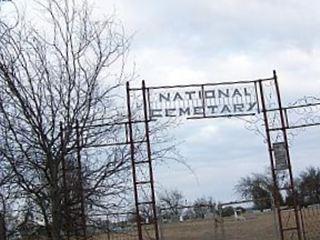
257,226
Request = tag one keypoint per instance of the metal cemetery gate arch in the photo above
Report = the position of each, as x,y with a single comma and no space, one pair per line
213,100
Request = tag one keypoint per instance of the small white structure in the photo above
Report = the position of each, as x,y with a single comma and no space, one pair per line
186,213
238,216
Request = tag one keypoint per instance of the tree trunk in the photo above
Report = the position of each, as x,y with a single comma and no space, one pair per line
56,203
3,233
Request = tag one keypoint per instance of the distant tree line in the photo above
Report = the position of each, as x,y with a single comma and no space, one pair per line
173,206
256,187
259,188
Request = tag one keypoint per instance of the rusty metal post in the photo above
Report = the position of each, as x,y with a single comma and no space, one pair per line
132,151
82,203
203,101
3,230
274,177
147,133
285,137
108,228
302,222
65,187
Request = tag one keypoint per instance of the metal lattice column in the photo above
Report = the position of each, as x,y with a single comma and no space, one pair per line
284,214
147,183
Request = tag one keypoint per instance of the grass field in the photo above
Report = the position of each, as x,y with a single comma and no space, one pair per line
259,226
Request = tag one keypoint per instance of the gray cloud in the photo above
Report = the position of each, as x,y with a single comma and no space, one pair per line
209,41
187,41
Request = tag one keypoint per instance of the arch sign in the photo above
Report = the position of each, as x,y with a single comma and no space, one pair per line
209,100
213,100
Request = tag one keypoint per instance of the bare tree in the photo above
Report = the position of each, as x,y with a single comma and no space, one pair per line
203,206
308,187
171,203
258,188
62,74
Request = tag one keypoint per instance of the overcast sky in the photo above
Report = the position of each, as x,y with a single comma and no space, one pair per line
187,41
182,41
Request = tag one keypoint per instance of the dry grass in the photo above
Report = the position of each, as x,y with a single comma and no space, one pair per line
257,227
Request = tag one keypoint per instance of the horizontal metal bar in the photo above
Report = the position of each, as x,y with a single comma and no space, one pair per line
294,107
141,162
289,229
242,201
112,144
115,124
143,182
277,129
304,125
111,214
287,208
223,116
236,202
184,207
295,127
146,202
203,85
